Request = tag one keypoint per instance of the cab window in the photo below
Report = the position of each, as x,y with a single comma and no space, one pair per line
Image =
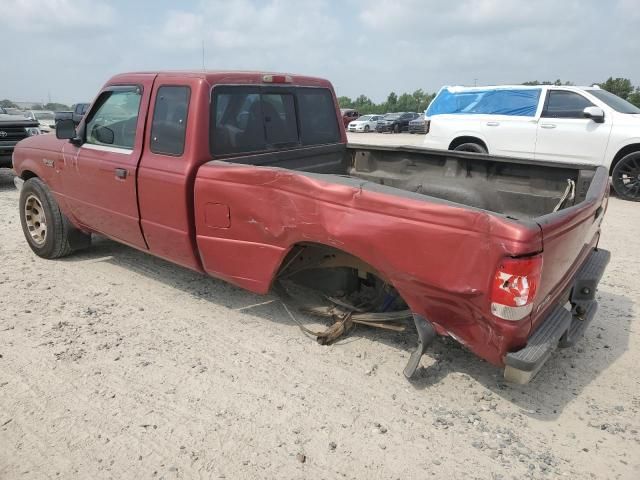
169,123
113,122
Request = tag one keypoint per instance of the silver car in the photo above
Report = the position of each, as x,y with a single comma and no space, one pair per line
365,123
45,118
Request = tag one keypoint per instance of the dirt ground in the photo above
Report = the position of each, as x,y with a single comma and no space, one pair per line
114,364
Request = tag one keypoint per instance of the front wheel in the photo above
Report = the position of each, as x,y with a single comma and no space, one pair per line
626,177
396,129
47,231
470,147
366,129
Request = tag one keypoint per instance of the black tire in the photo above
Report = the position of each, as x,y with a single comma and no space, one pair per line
366,129
626,177
470,147
55,242
396,129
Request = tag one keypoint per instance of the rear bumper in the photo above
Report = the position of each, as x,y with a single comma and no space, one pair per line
417,128
562,327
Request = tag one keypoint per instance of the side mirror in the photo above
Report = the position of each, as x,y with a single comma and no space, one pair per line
65,129
594,113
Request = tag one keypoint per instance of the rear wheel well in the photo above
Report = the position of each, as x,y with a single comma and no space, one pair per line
623,152
332,272
310,255
468,139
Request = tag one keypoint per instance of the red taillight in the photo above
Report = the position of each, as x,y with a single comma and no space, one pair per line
514,287
276,79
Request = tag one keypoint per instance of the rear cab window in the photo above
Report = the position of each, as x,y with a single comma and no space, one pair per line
247,119
169,123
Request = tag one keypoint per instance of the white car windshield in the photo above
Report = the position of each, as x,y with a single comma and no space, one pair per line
365,118
614,101
44,115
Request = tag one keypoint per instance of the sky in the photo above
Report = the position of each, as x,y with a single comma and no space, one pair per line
67,49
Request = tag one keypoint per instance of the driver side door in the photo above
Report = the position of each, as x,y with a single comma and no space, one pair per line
100,174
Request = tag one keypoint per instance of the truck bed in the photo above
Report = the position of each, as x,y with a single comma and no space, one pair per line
516,188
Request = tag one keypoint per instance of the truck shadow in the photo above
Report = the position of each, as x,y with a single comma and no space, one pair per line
560,381
563,377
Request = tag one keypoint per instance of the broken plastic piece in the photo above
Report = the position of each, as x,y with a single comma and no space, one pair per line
426,335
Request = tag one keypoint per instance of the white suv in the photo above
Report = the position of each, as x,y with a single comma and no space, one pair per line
553,123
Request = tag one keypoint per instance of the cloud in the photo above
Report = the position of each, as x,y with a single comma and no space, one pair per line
71,47
56,16
247,30
502,41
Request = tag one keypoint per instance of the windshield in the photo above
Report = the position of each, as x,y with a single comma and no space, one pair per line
392,116
365,118
614,101
44,115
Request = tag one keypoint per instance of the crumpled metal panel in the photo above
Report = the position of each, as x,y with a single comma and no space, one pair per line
440,257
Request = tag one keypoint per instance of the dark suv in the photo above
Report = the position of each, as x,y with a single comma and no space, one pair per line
395,122
76,113
14,128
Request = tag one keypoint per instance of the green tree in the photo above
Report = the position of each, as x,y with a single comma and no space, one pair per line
391,104
364,104
422,100
405,103
635,97
618,86
7,104
56,107
345,102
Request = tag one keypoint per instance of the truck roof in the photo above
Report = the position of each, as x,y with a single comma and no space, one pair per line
233,76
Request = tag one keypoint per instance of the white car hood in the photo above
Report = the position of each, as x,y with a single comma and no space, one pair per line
628,119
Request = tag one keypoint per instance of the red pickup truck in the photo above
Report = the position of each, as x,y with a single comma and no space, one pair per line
248,177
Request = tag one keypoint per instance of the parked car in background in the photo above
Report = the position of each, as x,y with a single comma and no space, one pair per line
45,118
395,122
348,115
418,125
13,111
365,123
583,125
76,113
14,128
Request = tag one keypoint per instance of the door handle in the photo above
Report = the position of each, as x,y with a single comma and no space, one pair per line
548,125
493,124
121,173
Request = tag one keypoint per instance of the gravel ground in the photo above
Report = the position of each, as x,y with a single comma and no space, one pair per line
114,364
